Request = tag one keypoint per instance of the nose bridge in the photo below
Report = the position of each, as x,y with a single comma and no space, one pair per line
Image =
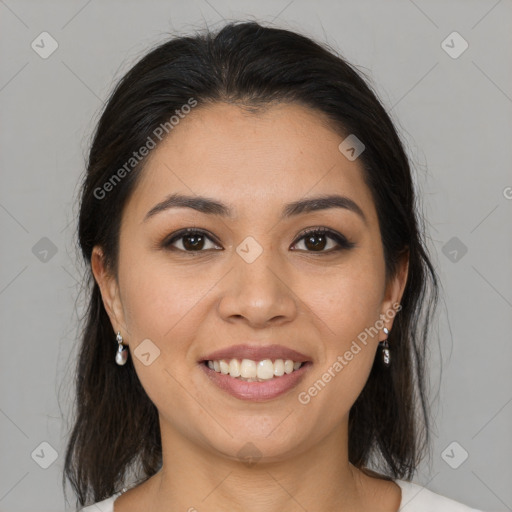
253,262
256,290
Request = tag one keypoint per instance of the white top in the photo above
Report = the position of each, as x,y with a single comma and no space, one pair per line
414,499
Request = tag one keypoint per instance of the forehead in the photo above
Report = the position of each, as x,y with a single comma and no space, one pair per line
255,161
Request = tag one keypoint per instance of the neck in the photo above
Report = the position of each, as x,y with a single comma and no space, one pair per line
196,479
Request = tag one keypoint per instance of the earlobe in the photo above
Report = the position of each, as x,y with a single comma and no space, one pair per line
109,289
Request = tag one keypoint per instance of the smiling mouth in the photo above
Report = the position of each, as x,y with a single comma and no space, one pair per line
249,370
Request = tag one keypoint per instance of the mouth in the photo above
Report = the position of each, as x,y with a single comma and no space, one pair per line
255,373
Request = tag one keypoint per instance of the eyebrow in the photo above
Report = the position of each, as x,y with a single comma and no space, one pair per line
213,207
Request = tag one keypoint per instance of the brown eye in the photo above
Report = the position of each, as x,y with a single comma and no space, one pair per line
193,242
318,239
190,240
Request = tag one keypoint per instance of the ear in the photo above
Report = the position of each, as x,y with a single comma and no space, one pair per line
109,289
394,291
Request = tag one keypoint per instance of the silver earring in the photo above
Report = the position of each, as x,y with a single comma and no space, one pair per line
386,356
122,351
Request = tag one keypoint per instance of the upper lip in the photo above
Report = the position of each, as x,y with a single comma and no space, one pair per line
256,353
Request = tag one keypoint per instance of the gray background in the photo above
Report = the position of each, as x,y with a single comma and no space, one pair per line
453,113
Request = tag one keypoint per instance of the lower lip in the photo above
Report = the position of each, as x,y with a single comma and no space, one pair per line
256,391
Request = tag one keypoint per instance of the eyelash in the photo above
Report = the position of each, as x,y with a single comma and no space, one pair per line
343,243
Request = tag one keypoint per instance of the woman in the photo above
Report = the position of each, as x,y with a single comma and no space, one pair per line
262,295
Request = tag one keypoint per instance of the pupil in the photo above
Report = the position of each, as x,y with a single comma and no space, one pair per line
195,242
318,245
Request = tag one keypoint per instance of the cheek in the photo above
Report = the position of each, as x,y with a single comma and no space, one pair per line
347,301
348,307
158,298
162,304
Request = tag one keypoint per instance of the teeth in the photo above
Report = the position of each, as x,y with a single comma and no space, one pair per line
265,369
253,371
248,369
224,367
279,368
234,368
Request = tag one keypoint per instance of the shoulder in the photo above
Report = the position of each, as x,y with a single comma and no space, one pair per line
416,498
102,506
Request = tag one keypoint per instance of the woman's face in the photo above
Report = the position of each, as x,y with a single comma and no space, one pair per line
251,280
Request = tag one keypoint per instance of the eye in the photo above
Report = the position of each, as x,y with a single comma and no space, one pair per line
190,240
316,240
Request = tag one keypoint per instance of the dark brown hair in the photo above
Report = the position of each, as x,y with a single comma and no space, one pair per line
116,429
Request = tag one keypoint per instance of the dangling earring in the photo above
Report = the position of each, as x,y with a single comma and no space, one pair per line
386,357
122,351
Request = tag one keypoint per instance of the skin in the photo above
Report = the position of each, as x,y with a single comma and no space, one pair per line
191,304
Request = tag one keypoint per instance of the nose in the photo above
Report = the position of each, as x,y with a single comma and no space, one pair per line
258,293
